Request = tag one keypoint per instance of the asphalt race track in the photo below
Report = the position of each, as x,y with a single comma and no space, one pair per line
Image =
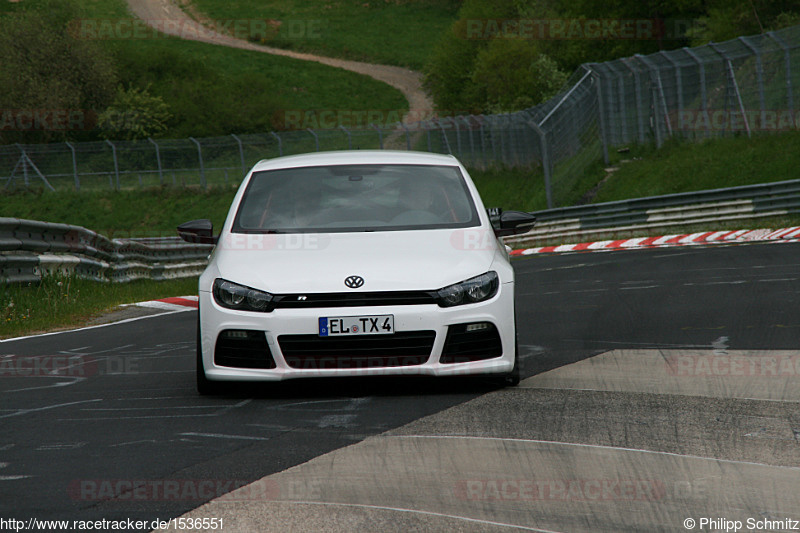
661,386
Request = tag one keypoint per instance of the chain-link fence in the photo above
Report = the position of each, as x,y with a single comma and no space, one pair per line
741,86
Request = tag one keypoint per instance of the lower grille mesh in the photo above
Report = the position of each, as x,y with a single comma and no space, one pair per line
243,349
462,346
405,348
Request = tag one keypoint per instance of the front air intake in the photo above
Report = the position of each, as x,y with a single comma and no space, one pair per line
243,348
475,341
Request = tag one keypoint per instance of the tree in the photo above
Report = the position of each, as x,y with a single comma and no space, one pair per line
135,114
511,74
46,70
725,19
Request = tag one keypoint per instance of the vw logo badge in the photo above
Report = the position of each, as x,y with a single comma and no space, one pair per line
354,282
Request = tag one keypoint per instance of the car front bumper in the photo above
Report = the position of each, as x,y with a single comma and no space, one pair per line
275,325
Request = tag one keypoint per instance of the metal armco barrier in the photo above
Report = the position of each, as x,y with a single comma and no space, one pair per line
748,202
30,249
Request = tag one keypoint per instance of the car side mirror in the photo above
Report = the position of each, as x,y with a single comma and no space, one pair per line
513,223
198,231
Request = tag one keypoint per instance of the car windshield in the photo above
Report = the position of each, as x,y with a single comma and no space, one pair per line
342,198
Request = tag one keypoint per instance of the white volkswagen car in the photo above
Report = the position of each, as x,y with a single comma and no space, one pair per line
356,263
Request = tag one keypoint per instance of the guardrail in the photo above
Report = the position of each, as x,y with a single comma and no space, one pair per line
747,202
30,249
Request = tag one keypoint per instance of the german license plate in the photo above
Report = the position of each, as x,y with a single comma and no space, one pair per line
335,326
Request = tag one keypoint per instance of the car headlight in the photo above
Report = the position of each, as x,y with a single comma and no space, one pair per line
235,296
470,291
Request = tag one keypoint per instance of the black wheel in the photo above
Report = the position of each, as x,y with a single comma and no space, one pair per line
205,386
512,378
509,379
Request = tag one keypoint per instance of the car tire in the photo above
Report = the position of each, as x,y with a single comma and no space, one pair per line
512,378
205,386
509,379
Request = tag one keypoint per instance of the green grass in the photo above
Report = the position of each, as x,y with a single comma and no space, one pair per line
157,211
677,167
129,213
682,166
520,189
214,90
59,302
395,32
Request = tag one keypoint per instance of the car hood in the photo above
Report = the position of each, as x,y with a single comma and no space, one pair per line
388,261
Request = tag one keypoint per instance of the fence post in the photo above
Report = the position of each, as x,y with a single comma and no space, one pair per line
637,86
74,166
23,158
513,142
703,96
471,142
349,137
116,164
200,159
503,119
380,134
428,128
280,143
678,87
408,135
158,161
787,59
480,120
732,76
458,135
564,98
316,139
241,153
600,110
548,187
654,71
759,78
492,119
622,103
444,136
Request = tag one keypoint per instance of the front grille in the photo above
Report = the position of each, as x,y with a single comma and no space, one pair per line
352,299
462,346
405,348
241,348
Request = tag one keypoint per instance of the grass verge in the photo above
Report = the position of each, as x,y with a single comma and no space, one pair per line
153,212
677,167
399,32
60,301
157,211
213,90
684,166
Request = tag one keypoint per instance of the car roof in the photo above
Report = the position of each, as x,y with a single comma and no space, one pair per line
354,157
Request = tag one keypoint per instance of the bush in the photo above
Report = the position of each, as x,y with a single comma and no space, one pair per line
512,74
45,69
135,114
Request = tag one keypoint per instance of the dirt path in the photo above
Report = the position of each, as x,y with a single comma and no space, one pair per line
171,19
